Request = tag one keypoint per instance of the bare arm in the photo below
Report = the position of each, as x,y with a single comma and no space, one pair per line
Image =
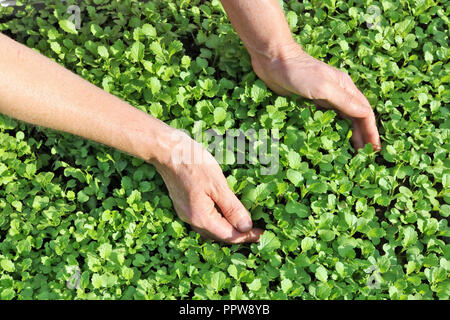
37,90
261,25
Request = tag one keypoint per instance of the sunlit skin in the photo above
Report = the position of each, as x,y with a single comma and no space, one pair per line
37,90
286,68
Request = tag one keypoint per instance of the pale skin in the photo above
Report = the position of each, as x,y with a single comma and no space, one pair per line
37,90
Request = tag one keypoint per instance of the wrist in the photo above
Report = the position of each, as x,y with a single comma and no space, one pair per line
164,146
150,140
159,143
276,51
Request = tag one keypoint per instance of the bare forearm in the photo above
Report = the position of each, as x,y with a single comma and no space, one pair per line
261,25
37,90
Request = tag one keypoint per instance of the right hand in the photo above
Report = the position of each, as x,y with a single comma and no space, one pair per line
196,187
292,70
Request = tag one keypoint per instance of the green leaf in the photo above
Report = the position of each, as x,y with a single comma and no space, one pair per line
318,187
295,176
177,228
96,280
7,294
286,285
258,91
105,250
127,273
156,110
103,52
68,26
268,242
297,208
56,47
137,51
155,85
409,237
148,30
307,243
294,159
82,197
326,235
376,233
134,197
236,293
156,49
139,260
219,115
7,265
255,285
321,274
340,268
96,30
446,181
218,280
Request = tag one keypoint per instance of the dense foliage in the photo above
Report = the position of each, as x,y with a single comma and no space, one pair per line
340,224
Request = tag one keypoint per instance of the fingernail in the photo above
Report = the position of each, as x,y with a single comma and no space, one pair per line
377,146
244,225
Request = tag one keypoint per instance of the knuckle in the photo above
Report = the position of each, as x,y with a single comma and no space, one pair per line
365,110
195,197
234,239
347,79
369,112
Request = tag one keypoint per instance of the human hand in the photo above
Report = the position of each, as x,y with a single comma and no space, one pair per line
196,185
295,71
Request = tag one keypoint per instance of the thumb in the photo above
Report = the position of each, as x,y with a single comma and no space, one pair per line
233,209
